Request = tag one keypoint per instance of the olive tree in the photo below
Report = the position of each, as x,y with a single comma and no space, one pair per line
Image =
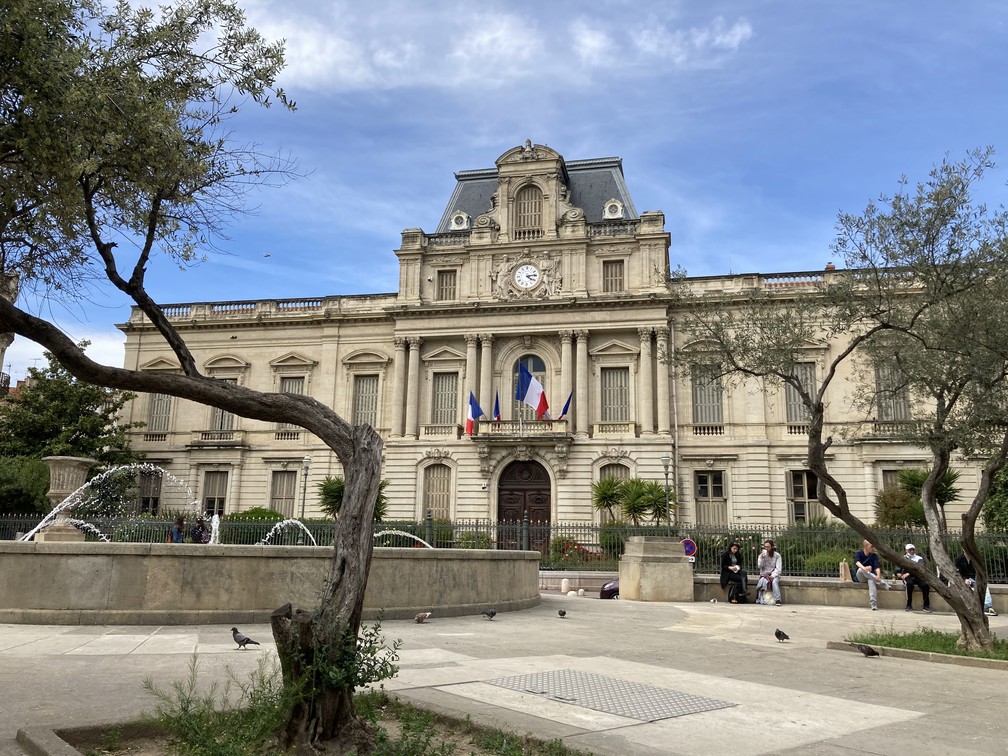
116,147
919,300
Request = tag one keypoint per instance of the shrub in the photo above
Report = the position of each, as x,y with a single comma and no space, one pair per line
472,539
256,513
824,563
895,507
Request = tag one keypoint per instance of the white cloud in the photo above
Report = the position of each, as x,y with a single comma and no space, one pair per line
106,348
694,47
593,46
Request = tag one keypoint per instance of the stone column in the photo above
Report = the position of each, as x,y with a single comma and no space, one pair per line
486,392
66,475
413,387
645,384
399,386
470,368
566,364
581,381
664,384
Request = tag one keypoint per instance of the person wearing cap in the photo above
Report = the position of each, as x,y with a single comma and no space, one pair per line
910,581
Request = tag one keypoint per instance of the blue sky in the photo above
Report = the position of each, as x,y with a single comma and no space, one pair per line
749,124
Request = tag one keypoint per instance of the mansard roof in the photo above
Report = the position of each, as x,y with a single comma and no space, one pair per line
592,183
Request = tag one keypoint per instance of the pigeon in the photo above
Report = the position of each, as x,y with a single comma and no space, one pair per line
562,613
422,617
490,614
866,650
241,639
781,635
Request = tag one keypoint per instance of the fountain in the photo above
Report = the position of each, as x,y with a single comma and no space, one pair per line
111,492
404,533
282,525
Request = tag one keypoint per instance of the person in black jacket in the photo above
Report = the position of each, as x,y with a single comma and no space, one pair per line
968,573
733,576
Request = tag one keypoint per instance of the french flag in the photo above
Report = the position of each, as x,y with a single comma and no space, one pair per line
563,412
472,414
530,391
496,415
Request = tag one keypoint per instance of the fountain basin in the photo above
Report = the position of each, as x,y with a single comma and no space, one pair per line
181,584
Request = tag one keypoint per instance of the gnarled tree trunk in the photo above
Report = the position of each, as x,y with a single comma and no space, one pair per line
317,648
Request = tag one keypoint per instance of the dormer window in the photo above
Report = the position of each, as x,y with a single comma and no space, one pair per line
612,210
528,209
460,221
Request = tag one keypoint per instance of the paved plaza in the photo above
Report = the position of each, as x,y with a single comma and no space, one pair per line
612,677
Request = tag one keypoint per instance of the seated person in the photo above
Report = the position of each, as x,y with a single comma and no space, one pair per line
733,576
869,570
968,573
910,581
769,565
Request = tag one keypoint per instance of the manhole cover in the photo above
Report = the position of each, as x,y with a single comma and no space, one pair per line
610,695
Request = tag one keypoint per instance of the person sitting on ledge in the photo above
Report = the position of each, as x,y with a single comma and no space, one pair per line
869,570
968,573
769,565
733,577
910,581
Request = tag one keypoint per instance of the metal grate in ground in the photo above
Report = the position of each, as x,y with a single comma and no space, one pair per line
610,695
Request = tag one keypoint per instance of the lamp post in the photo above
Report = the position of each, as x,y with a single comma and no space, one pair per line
305,465
665,459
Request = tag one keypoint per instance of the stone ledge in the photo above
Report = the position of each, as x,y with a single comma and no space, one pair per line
904,653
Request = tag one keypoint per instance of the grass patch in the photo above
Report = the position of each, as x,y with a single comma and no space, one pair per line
926,639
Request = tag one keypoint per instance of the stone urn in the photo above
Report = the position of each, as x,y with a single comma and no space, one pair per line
66,475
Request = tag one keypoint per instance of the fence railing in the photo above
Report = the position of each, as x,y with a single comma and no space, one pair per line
806,551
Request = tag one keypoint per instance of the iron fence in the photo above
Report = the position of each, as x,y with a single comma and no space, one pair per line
806,551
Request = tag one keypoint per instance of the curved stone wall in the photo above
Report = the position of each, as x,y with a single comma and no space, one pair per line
182,584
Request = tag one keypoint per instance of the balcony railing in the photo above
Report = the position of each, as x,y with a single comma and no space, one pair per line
709,430
443,431
613,228
516,429
287,435
615,429
218,437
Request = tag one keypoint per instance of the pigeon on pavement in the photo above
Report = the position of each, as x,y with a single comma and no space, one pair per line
866,650
490,614
241,639
422,617
781,635
562,613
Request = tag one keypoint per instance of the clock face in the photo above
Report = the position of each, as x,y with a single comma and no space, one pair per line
526,276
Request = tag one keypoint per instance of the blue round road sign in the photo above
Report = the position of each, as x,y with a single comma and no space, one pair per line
689,546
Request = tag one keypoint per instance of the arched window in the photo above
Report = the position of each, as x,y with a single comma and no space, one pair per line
612,470
437,492
528,213
537,367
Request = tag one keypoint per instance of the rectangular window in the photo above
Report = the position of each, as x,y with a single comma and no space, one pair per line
437,491
215,492
444,401
222,420
149,492
291,385
803,496
707,392
365,401
158,413
615,394
711,502
797,412
890,479
445,285
891,395
612,275
283,492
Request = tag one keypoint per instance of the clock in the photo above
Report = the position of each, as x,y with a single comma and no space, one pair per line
526,276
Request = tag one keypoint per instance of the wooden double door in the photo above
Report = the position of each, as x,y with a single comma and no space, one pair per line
524,490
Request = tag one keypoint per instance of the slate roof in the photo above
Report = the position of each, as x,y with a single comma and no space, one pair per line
591,183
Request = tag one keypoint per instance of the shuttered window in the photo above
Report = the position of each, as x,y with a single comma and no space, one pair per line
365,407
446,287
707,393
528,213
437,491
215,492
290,384
283,492
612,275
797,412
159,413
222,420
444,402
615,392
891,395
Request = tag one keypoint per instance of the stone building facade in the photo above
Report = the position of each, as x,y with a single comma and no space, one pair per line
541,262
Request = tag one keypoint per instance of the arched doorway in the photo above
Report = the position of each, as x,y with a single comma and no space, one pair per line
523,489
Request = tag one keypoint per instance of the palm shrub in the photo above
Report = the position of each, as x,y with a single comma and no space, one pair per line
636,501
607,493
330,492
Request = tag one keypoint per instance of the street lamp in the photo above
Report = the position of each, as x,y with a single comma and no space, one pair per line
666,458
305,465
